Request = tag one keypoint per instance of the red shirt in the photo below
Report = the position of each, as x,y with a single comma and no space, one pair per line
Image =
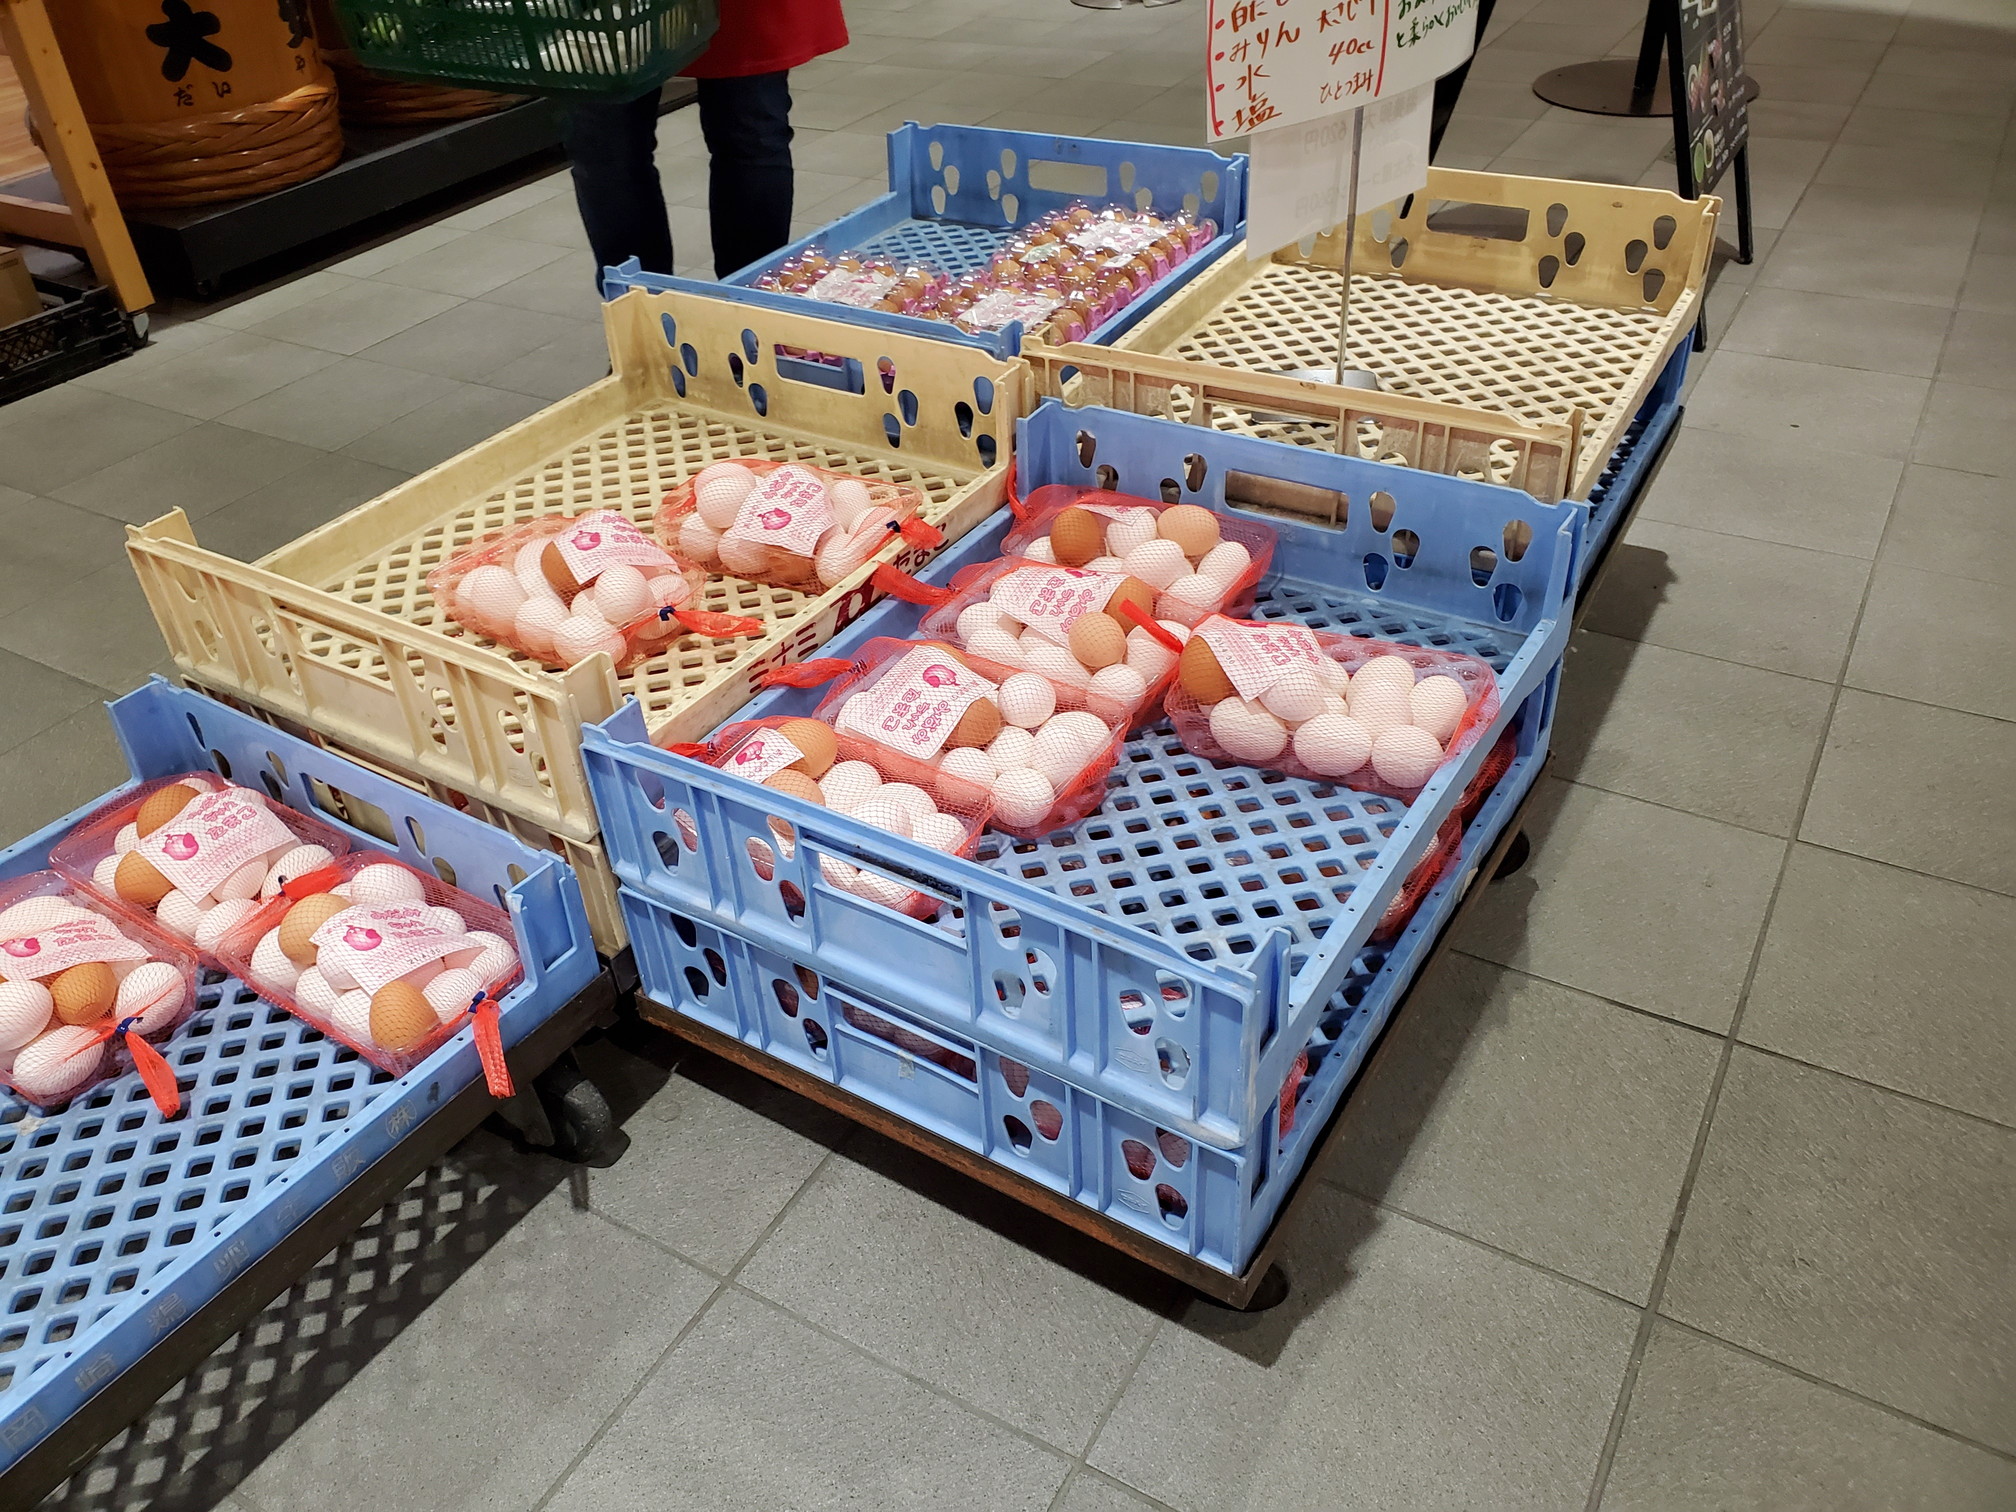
770,36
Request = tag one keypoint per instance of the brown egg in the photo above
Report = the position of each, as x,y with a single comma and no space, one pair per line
1097,641
977,726
84,994
162,806
301,922
1191,527
138,881
558,574
401,1016
1202,677
1131,591
798,785
815,740
1077,536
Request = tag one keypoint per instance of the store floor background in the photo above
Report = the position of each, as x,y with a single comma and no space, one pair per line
1687,1180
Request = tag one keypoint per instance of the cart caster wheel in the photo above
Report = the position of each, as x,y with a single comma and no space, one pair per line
584,1130
1516,856
1269,1294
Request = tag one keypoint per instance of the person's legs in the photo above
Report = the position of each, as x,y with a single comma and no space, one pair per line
612,148
747,124
1449,88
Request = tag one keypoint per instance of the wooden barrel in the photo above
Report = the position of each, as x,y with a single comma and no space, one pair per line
368,99
192,101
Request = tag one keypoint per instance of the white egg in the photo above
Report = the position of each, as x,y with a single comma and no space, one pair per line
1336,676
1132,529
451,993
298,862
52,1067
1023,796
382,882
529,565
352,1017
126,839
488,599
36,913
1380,702
1246,731
1225,563
580,636
1158,563
1405,755
850,499
939,831
1053,661
718,492
444,920
995,646
536,623
877,888
669,590
1437,704
1297,694
104,873
1147,655
242,883
699,541
1121,683
24,1013
1189,599
847,785
1067,744
1040,550
1393,671
156,993
745,558
984,616
179,914
1333,745
838,873
1027,700
315,992
621,594
1111,565
219,919
912,797
1011,748
893,817
966,764
270,965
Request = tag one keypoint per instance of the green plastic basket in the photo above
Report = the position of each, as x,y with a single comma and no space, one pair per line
581,49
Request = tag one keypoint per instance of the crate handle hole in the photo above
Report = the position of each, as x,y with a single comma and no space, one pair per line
786,995
963,413
1011,208
689,936
815,1036
1018,1133
1375,571
1172,491
762,860
1192,204
759,399
907,403
444,870
937,155
696,982
419,835
893,429
690,360
983,395
1007,162
1518,536
667,848
735,369
718,966
1010,991
1174,1062
1049,1119
1108,476
1140,1159
1571,248
808,980
678,379
993,184
670,327
1557,217
1549,270
1135,1012
988,449
1175,1208
1483,562
1175,994
938,200
1506,599
1406,546
1634,255
793,900
785,836
1208,185
1126,178
887,369
1662,232
1088,448
1175,1148
1016,1075
689,832
1399,252
951,178
1655,280
1195,470
1381,504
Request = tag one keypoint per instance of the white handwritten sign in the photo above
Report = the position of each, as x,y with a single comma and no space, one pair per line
1300,176
1273,63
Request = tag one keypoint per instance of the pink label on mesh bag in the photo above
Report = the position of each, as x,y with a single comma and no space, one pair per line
1049,600
603,539
915,705
788,509
1255,656
212,838
71,942
858,287
379,943
762,756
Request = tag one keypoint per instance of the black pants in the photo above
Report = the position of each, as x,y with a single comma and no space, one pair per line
1449,88
747,126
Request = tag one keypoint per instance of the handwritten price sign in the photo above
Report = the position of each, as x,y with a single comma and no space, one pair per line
1272,63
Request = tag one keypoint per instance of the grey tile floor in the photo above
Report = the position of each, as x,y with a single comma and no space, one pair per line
1687,1181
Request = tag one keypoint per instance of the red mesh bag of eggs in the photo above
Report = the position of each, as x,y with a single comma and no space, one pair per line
1194,561
561,588
1041,750
1087,630
84,987
788,523
385,959
812,761
192,855
1375,716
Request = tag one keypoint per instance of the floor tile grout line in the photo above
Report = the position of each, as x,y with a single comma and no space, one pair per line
1606,1460
721,1289
1887,1408
1716,1034
1166,1318
672,1251
1709,656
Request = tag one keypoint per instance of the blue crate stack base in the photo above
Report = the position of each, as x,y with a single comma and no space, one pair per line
958,193
115,1224
1164,962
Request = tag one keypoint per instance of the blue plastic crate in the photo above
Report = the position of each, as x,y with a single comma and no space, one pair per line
1214,1204
1618,486
115,1223
1171,950
956,195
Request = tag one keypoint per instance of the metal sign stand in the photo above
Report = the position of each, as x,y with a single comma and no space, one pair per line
1342,374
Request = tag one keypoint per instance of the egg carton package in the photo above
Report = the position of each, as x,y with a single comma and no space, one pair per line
1040,749
787,523
192,855
1376,716
561,588
1192,560
809,760
76,976
380,957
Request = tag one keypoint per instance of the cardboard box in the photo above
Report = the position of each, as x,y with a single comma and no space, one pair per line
18,299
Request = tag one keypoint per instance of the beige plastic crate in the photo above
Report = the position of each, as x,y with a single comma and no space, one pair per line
336,632
1537,456
1573,300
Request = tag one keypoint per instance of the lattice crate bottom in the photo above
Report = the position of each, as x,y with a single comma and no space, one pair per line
950,246
1533,358
629,466
100,1197
1212,858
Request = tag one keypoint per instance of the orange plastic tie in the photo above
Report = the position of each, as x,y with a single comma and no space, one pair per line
697,749
918,531
808,674
1147,622
898,584
708,622
490,1045
308,884
155,1072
